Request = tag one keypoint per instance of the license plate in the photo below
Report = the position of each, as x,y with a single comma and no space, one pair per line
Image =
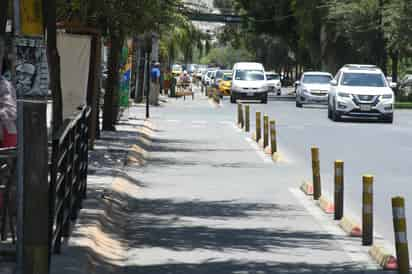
365,108
250,94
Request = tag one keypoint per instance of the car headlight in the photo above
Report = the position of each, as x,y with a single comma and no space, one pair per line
343,94
387,96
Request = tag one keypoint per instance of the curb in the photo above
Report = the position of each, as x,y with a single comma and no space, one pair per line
383,257
277,157
137,155
253,137
326,205
350,227
307,188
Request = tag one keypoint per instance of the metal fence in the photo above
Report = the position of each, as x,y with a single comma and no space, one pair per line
68,176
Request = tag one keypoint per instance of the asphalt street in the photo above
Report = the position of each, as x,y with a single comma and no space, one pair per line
367,147
211,202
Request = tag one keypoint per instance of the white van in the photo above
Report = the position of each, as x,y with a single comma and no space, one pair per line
249,82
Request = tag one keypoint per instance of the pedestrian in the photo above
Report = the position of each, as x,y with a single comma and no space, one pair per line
8,113
155,84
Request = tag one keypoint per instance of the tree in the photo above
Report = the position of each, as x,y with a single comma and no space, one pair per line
4,9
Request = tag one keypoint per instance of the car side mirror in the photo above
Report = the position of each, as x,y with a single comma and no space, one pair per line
393,85
334,82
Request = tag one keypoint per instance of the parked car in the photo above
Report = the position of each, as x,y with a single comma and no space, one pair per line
313,88
219,77
273,82
361,91
225,84
249,82
177,70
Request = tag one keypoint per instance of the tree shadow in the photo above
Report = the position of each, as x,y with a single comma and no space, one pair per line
247,267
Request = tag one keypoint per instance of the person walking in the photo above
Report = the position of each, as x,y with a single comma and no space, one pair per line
8,114
155,85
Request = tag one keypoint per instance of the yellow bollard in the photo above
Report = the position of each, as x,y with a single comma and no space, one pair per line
265,131
367,210
317,191
401,241
273,141
258,126
247,118
339,187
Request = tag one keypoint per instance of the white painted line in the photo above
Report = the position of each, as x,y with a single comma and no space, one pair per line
226,122
173,121
199,122
350,246
266,158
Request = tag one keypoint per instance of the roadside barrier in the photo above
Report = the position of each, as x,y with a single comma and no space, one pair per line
258,126
351,227
401,241
317,191
247,118
326,205
367,210
339,187
265,131
383,257
307,188
273,141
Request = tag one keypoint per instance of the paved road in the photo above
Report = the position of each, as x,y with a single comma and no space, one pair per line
211,203
366,147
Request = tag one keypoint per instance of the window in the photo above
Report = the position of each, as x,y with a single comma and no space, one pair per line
250,75
363,80
316,79
274,76
227,77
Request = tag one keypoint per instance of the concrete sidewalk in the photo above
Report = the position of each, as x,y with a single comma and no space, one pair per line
210,202
205,200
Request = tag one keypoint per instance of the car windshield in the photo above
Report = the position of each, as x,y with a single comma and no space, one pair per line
250,75
316,79
363,80
227,77
272,77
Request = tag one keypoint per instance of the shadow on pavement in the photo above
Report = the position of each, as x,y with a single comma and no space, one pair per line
244,267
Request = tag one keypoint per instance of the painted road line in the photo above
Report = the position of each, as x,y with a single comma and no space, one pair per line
266,158
173,121
351,247
199,122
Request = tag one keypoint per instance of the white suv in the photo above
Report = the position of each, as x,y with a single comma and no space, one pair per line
361,91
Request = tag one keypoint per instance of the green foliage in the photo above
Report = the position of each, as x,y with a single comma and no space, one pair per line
226,56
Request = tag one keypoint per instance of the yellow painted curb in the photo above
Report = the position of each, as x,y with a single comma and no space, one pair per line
383,257
268,150
137,155
307,188
326,205
253,136
351,227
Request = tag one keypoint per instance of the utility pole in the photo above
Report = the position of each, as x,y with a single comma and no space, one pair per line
31,81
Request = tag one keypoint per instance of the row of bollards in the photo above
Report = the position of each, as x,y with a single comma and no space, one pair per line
398,208
269,127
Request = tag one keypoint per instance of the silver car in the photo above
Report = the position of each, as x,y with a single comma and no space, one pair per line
313,88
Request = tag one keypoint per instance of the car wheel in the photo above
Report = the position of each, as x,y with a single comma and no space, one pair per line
335,116
388,119
298,104
329,112
232,99
265,99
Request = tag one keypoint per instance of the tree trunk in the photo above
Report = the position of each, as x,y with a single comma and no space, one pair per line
111,96
395,65
133,87
4,5
54,64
